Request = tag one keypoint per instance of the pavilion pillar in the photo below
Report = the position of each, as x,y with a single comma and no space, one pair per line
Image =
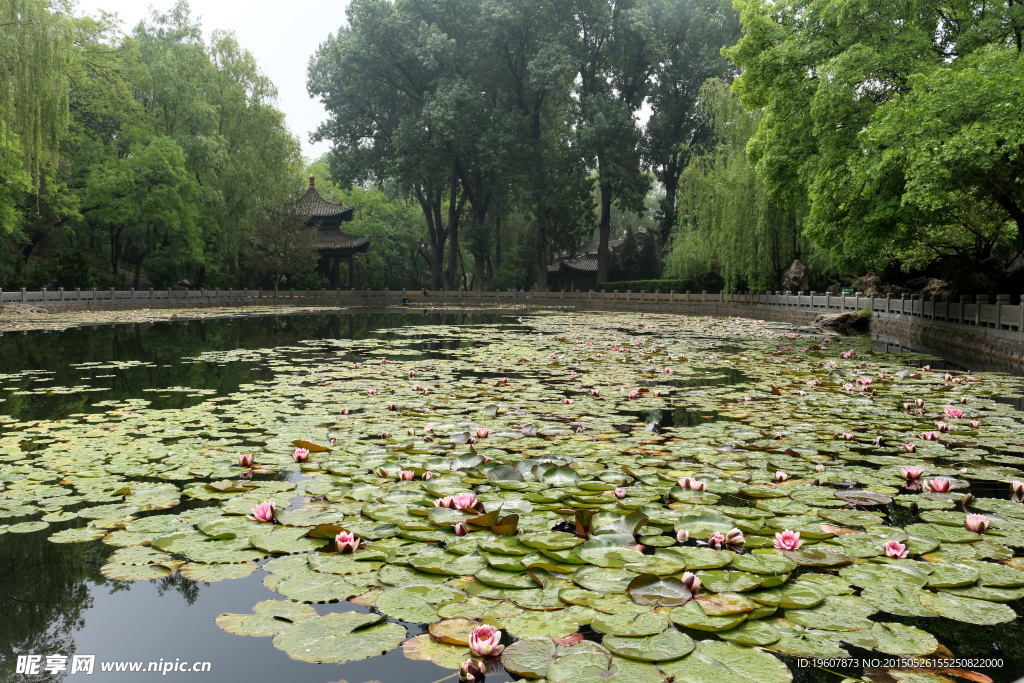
336,272
351,271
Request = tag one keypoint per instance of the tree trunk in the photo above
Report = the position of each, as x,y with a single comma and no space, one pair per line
497,243
604,231
542,255
668,204
478,272
138,271
436,235
201,280
454,209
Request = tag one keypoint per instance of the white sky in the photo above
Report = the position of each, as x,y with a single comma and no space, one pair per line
281,35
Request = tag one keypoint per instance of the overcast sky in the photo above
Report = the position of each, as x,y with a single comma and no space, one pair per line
281,35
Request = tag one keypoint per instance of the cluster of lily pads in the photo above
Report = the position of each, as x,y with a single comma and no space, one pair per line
636,497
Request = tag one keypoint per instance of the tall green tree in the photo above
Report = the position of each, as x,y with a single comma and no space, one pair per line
894,120
728,225
35,53
617,53
692,34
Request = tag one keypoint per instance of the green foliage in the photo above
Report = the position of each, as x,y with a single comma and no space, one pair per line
661,286
728,224
899,123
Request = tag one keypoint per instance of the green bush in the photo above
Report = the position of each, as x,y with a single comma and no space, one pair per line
662,286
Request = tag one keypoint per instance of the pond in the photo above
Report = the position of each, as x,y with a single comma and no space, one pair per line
627,497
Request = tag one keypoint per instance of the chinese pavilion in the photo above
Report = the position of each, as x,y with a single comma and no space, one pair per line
332,244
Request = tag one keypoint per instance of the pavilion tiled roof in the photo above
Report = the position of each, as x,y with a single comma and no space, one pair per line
338,240
313,204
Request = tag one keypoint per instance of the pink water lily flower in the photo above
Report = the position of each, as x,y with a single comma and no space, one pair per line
633,395
406,475
848,386
300,454
503,380
383,361
787,540
568,401
734,537
463,501
668,371
691,581
371,392
780,477
344,411
896,549
484,641
427,476
429,427
819,468
682,535
264,512
412,373
954,413
415,387
346,542
975,424
847,436
929,436
976,523
911,472
693,484
656,393
245,459
595,392
445,502
939,485
482,432
620,493
911,448
801,393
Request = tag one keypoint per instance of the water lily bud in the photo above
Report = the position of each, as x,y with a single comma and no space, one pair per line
691,581
963,401
381,472
415,387
412,373
819,468
392,405
976,523
734,537
427,476
406,475
461,529
848,436
682,535
777,436
975,424
482,432
911,448
781,477
907,406
346,542
371,392
245,459
919,402
879,441
300,454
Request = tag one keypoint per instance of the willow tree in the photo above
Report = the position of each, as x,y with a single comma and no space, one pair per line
727,222
35,50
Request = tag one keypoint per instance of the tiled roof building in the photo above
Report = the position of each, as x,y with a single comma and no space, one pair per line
333,244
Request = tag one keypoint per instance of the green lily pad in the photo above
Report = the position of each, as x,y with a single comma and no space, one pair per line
339,637
665,646
968,610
